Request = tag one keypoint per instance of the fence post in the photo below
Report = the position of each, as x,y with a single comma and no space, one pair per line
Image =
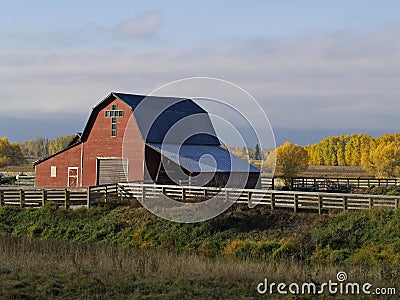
120,191
272,201
396,203
21,198
296,202
370,202
88,197
320,204
44,196
143,193
106,194
248,198
344,203
1,198
66,196
183,195
205,192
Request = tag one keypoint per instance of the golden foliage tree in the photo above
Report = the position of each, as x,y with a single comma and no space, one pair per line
345,150
379,155
42,147
10,154
290,159
384,160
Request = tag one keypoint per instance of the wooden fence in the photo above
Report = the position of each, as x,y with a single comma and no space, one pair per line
25,180
308,182
61,196
87,196
315,201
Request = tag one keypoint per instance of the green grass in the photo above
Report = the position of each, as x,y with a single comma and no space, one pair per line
122,251
37,269
257,233
380,190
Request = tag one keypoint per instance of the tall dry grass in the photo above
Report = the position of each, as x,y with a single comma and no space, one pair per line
37,269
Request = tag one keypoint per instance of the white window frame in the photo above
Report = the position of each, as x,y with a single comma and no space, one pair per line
53,171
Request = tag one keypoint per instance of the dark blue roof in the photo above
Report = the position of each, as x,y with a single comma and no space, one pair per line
185,121
202,158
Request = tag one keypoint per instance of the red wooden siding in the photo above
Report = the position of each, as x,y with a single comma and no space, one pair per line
99,144
65,159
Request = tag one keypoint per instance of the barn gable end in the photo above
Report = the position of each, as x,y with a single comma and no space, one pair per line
100,145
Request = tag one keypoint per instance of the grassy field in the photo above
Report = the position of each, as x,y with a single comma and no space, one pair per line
336,171
35,269
124,252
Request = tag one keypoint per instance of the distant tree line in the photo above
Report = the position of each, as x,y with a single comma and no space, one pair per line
248,153
42,147
380,155
15,154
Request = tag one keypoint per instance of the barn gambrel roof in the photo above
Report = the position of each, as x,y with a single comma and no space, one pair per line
194,158
156,116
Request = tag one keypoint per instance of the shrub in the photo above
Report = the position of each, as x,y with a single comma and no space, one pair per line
289,248
34,231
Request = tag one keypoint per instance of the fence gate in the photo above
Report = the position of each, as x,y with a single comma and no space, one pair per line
111,170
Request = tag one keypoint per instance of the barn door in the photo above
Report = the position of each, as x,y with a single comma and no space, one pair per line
73,176
111,170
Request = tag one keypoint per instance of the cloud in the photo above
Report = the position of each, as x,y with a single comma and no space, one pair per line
88,36
339,80
143,26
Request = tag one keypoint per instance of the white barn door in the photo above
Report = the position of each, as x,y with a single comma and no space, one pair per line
111,170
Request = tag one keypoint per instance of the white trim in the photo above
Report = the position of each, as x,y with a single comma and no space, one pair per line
53,171
77,175
82,153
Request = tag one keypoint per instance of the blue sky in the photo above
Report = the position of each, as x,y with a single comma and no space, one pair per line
331,66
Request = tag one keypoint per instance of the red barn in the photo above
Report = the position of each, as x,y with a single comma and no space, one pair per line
128,137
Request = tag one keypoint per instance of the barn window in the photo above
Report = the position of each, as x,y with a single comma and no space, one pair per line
114,113
114,127
53,171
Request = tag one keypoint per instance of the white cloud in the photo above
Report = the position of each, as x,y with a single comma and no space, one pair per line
143,26
342,80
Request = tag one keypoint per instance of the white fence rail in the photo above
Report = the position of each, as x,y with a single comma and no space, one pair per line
87,196
61,196
295,200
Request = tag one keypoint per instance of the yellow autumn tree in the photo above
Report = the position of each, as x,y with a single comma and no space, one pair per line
290,159
384,160
10,154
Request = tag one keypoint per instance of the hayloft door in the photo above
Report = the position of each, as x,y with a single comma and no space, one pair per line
72,176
